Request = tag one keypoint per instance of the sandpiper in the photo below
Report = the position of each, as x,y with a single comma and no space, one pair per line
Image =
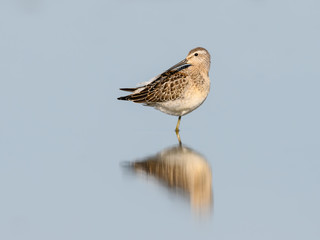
180,89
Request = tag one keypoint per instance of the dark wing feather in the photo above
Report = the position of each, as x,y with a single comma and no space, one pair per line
128,89
168,86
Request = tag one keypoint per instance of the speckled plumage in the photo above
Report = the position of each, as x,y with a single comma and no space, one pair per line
180,89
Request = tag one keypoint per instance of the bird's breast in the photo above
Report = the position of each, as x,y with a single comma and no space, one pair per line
192,98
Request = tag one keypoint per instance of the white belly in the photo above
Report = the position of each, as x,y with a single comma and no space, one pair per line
183,106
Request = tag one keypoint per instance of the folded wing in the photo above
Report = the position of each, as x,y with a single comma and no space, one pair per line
167,87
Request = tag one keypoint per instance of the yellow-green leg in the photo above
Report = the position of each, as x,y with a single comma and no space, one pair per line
178,137
178,124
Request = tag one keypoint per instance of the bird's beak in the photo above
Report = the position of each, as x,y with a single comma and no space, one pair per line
180,65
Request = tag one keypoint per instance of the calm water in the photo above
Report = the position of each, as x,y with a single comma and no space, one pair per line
75,163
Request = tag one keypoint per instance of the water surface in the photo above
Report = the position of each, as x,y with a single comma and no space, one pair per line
64,137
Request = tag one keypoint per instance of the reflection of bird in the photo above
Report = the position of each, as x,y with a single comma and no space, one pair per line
180,89
181,168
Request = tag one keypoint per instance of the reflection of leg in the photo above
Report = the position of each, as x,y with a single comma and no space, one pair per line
179,139
178,124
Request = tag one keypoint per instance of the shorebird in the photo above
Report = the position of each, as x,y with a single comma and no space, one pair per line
180,89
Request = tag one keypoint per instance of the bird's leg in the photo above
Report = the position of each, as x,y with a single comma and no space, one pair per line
178,124
179,139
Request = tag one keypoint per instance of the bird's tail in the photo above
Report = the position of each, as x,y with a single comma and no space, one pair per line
128,89
137,95
125,98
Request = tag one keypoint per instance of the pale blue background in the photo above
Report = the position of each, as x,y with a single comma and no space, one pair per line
63,134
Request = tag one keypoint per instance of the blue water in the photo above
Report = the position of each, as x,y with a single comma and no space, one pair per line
65,140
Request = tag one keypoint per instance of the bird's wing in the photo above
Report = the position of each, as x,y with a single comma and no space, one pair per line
168,86
164,87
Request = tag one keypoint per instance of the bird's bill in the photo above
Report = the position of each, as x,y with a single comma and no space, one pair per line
183,64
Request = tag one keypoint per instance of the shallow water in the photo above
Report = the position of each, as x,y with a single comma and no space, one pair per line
75,163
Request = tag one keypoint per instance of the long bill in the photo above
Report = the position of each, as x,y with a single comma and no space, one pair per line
180,65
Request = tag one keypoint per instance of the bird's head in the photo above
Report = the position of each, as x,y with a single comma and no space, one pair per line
199,57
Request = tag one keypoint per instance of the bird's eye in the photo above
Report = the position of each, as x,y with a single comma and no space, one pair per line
196,54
